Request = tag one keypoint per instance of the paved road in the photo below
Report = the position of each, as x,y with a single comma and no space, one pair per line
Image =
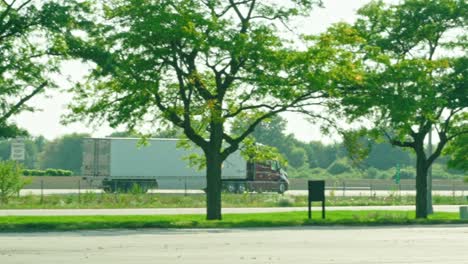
181,211
335,245
292,192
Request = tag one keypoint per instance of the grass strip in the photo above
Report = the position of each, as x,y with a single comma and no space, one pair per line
288,219
98,200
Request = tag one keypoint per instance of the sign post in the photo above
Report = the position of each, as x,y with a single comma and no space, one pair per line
316,194
397,174
18,149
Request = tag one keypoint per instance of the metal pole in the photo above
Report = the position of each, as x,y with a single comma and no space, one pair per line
79,191
430,209
323,209
344,188
453,190
42,191
185,186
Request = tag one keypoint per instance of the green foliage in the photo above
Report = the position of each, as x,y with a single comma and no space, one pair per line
372,173
11,181
385,156
253,151
339,167
48,172
266,220
202,66
33,147
405,74
29,36
298,157
458,151
250,200
286,202
65,152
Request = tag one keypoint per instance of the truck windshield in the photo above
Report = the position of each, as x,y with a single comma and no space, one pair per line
275,165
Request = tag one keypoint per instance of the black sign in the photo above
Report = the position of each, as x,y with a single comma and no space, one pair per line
316,194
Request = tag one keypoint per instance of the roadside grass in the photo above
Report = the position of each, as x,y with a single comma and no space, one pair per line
288,219
103,200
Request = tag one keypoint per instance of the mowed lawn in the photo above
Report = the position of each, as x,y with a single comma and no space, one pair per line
289,219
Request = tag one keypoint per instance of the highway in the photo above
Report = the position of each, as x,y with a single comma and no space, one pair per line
337,245
291,192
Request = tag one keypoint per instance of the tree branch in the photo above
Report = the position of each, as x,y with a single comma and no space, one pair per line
15,109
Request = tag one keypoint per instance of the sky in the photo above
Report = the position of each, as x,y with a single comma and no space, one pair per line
53,104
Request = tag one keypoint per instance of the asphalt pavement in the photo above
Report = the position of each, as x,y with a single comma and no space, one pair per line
337,245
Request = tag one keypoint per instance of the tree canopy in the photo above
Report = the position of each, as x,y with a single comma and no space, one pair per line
407,74
203,66
30,34
64,153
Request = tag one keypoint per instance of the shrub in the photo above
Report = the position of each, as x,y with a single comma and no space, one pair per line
11,181
338,167
316,171
51,172
465,179
37,173
47,172
65,173
285,202
372,173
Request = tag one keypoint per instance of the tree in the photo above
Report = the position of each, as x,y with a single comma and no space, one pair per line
384,156
298,157
458,150
29,52
65,153
271,131
199,65
322,155
408,75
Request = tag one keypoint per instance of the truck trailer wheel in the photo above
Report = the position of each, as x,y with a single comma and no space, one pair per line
230,187
241,188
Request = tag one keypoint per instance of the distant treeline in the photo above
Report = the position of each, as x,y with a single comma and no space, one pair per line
305,160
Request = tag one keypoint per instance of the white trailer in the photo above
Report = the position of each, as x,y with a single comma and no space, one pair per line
120,163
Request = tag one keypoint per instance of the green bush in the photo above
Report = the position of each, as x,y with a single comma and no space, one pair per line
372,173
47,172
11,181
37,173
51,172
338,167
465,179
286,202
65,173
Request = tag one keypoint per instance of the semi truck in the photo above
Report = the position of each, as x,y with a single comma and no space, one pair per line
120,164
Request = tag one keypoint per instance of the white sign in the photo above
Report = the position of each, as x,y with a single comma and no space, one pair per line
18,151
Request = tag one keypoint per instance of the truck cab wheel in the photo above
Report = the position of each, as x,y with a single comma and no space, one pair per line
282,188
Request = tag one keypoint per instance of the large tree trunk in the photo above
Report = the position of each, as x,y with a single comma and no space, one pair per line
421,185
213,186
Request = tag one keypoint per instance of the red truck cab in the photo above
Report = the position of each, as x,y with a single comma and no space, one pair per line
261,177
